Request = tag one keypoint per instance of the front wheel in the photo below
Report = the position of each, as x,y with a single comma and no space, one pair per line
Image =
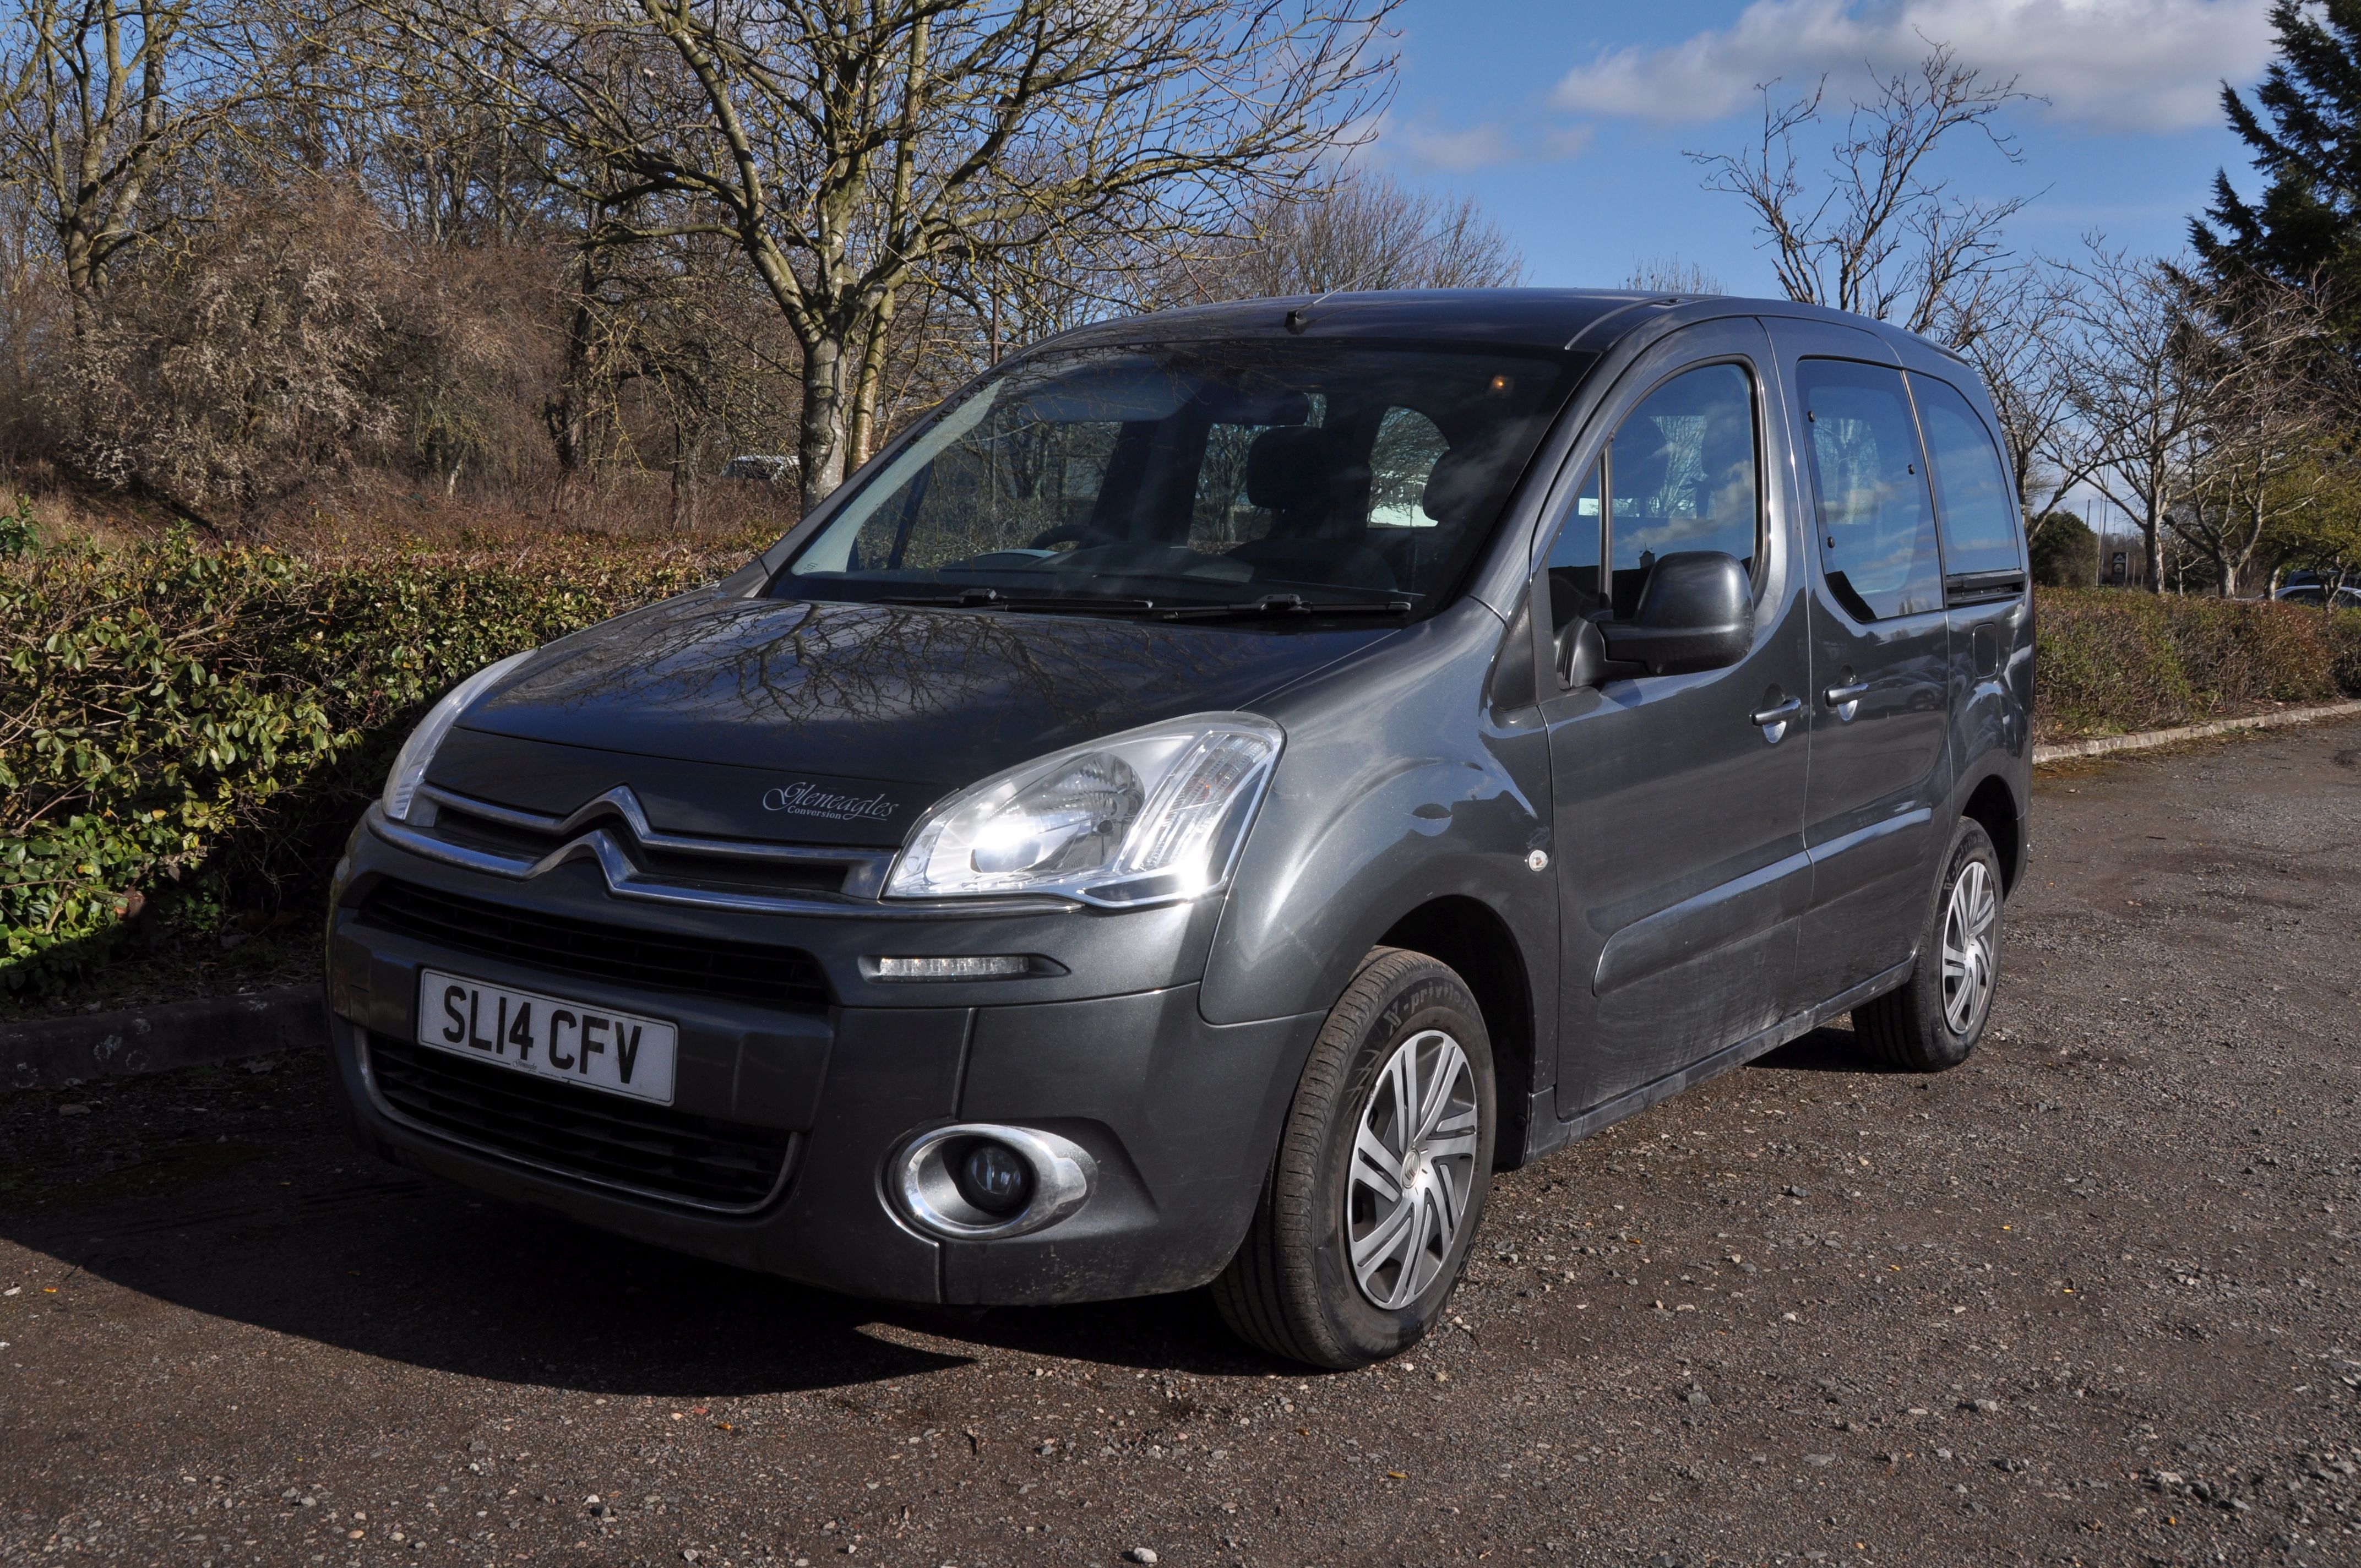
1937,1015
1373,1200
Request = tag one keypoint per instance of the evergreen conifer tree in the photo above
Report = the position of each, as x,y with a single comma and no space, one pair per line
2304,126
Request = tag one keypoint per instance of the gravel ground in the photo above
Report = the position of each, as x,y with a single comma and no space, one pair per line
2089,1298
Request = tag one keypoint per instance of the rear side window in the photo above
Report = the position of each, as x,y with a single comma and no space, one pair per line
1971,495
1877,521
1408,447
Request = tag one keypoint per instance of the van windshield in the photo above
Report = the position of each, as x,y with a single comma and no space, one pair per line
1153,478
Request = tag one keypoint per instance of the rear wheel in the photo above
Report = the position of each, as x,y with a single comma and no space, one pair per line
1379,1185
1938,1014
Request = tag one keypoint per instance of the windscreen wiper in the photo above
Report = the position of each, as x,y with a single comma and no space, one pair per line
1270,605
1286,604
992,599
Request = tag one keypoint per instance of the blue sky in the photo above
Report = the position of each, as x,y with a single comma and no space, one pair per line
1568,120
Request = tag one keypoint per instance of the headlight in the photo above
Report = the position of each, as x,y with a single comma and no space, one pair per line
1145,817
409,762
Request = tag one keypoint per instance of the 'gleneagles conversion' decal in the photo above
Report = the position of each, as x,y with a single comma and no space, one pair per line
811,800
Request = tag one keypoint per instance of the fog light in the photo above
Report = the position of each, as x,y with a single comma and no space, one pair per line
985,1180
995,1177
987,966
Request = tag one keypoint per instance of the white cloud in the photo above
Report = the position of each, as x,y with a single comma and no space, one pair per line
2142,65
1480,147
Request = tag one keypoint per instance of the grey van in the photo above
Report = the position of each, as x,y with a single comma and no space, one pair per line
1213,791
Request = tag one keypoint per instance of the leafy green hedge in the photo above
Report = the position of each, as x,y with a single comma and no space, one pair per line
204,724
2107,660
193,730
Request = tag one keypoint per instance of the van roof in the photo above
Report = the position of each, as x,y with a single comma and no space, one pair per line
1532,318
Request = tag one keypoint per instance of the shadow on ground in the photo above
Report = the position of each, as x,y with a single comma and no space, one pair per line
289,1229
1830,1049
295,1231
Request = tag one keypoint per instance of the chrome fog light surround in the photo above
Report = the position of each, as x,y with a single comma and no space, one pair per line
924,1185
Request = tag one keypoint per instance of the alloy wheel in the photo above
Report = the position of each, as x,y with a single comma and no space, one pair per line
1413,1169
1970,922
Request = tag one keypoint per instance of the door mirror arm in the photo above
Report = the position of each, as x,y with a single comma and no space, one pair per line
1582,658
1695,612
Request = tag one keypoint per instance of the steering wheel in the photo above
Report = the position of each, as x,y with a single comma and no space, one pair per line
1071,533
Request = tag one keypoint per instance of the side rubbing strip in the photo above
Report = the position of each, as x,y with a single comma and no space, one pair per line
1868,855
1741,907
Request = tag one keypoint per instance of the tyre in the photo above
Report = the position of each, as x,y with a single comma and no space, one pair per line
1375,1195
1935,1018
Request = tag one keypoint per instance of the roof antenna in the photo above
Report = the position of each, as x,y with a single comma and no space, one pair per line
1299,317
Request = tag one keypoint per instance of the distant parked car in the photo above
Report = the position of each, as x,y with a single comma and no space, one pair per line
772,468
2320,594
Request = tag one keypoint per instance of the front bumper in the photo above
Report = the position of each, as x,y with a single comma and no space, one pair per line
1178,1115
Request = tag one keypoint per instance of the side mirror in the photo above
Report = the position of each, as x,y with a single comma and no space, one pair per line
1581,655
1695,612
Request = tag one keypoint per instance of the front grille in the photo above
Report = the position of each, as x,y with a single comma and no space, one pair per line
749,874
603,1138
617,955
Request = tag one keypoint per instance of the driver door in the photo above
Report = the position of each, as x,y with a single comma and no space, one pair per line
1678,800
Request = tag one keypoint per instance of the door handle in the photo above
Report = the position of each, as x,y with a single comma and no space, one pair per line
1846,699
1773,721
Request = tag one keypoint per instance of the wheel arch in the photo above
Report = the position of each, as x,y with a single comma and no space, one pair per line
1476,943
1994,806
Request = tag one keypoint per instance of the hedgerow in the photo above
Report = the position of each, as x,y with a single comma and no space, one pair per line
203,723
2107,662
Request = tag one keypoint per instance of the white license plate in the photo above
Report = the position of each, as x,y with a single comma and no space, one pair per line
547,1036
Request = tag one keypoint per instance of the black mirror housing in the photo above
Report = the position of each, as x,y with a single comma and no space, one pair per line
1695,612
1581,655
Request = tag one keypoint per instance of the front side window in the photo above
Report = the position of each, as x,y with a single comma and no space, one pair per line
1972,500
1202,474
1680,474
1574,589
1877,524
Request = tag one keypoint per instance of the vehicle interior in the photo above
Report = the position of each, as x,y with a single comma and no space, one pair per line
1217,474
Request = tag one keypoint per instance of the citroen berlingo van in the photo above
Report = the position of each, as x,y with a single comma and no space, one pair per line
1213,792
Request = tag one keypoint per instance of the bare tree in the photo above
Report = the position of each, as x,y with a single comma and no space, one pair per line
1362,231
290,342
1875,231
231,369
2268,442
711,366
2015,334
449,164
34,336
2142,378
105,98
1670,275
848,146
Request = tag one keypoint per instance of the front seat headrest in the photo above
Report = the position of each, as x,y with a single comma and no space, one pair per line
1458,487
1296,470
